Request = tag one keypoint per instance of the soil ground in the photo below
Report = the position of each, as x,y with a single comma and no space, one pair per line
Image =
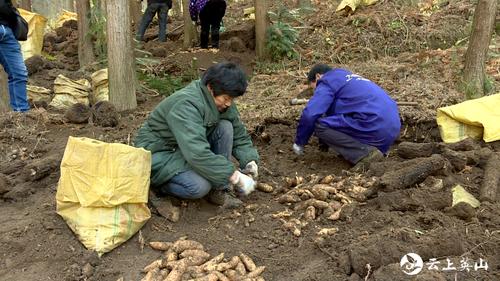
412,55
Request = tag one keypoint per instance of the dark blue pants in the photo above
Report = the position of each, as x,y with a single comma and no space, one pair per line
155,8
210,20
12,61
189,184
351,149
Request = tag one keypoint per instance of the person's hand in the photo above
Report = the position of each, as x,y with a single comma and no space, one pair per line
298,149
252,169
243,183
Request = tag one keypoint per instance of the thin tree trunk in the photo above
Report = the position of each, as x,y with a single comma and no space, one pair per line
4,91
261,21
85,46
476,56
25,4
120,56
135,12
189,28
69,5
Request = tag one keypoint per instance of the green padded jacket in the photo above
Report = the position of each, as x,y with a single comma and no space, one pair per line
176,134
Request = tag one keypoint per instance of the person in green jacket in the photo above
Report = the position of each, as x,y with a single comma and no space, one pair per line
192,135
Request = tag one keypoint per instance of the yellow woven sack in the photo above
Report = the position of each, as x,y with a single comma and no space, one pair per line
353,4
478,118
65,16
68,92
100,86
37,94
103,191
36,26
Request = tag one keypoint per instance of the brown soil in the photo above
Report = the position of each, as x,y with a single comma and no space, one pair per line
376,226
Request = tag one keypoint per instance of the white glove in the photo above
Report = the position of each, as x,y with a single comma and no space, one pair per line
243,183
252,169
298,149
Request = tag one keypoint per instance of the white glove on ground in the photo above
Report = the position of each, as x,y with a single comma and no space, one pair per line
243,183
252,169
298,149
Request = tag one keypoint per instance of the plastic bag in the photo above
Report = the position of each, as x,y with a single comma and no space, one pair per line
103,191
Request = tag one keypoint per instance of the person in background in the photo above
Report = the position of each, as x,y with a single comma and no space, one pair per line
155,7
208,14
192,135
11,58
349,114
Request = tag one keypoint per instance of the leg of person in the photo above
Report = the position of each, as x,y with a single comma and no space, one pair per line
221,139
162,18
12,61
221,143
351,149
187,185
146,20
219,9
205,26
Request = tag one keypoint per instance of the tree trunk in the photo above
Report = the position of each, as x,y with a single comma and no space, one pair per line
135,12
68,5
4,91
85,46
475,58
120,56
189,28
25,4
261,21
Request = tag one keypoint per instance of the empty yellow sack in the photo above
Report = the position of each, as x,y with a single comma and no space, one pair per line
64,17
36,27
478,118
68,92
353,4
100,86
103,191
38,94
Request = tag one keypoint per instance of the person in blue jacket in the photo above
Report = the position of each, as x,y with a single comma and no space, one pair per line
349,114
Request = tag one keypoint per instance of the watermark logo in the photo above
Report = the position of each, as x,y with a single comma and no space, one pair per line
411,264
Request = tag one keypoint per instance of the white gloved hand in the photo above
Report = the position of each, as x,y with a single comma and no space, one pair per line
243,183
298,149
252,169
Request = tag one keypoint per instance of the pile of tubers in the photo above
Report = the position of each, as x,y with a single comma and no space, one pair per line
320,198
187,260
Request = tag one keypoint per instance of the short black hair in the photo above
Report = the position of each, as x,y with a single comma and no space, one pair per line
317,69
226,78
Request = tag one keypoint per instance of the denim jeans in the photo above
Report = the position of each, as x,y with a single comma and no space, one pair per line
351,149
12,61
189,184
155,8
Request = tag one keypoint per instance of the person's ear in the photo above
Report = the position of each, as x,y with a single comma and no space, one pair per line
318,76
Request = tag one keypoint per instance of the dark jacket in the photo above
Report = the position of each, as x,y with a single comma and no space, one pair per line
169,2
7,15
176,134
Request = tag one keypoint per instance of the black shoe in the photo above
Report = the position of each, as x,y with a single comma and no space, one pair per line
224,198
363,164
